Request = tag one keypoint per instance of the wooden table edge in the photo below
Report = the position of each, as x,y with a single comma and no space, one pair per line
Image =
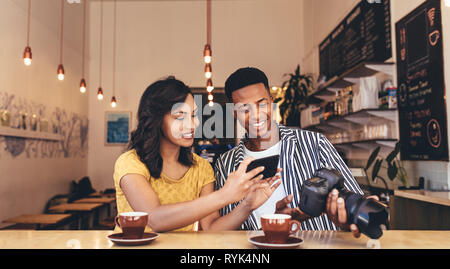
94,206
14,219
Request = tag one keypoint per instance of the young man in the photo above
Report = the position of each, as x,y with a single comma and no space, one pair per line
301,152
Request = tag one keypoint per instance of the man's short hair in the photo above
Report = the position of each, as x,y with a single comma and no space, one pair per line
244,77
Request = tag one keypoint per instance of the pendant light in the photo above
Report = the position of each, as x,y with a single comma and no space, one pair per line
113,99
60,72
60,66
100,90
209,85
207,54
113,102
100,93
208,71
83,81
27,53
83,85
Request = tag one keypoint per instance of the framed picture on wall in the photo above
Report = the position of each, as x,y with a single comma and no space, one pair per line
117,127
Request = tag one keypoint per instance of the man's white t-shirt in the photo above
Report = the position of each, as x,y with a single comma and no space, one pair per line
269,206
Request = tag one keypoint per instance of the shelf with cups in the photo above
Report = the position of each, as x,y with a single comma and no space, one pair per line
327,91
355,119
361,130
368,143
13,132
367,126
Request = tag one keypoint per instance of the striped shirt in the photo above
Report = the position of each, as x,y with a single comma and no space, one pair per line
302,154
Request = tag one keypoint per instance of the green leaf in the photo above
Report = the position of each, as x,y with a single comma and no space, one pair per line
403,177
376,169
391,157
392,171
372,157
397,146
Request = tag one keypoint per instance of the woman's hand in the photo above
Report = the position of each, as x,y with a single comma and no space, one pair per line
239,182
261,191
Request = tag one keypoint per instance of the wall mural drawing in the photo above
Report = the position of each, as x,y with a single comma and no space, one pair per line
20,113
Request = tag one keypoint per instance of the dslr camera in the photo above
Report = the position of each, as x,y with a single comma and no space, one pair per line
367,213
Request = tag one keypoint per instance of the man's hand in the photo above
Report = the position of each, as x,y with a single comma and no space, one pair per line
283,208
338,215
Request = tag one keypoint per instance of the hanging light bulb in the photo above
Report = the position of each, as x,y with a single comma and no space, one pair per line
210,97
27,56
211,103
209,85
208,71
27,53
113,102
60,66
207,54
83,81
83,86
100,93
113,99
60,72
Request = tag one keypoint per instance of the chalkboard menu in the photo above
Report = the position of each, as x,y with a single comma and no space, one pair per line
421,88
364,35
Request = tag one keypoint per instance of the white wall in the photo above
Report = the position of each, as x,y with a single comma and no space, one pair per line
322,16
29,179
160,38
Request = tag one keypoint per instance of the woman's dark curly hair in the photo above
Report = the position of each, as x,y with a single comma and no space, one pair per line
158,100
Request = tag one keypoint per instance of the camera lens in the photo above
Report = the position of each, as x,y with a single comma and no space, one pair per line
367,214
370,216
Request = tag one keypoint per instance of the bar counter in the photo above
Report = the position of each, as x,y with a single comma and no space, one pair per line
392,239
439,198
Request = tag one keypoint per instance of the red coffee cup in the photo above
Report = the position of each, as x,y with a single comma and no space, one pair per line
132,224
278,227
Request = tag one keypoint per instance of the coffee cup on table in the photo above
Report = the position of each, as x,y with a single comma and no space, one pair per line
278,227
132,224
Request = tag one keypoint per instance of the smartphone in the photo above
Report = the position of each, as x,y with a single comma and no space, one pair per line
270,165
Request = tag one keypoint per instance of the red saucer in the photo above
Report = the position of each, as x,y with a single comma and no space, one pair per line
118,239
261,242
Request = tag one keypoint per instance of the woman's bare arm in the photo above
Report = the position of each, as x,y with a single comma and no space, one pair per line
142,197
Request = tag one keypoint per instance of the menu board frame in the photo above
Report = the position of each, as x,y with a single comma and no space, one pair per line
364,35
421,92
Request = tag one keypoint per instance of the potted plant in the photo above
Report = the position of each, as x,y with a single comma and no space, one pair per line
395,169
296,97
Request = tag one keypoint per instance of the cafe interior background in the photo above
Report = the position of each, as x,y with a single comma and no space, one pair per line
65,139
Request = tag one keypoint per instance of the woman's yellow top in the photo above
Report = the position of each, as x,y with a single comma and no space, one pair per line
169,191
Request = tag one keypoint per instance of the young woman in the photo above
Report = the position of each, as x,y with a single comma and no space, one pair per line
159,174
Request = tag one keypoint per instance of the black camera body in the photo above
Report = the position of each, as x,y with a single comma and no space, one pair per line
367,214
